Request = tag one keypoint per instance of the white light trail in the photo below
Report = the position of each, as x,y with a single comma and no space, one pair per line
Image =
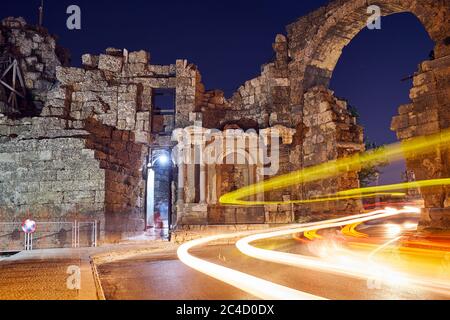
257,287
312,262
347,266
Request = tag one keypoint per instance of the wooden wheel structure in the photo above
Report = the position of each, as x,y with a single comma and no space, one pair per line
11,81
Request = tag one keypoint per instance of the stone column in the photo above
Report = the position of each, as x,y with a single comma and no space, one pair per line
181,184
202,184
190,188
211,184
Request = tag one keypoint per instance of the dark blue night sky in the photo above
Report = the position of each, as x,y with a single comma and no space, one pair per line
230,40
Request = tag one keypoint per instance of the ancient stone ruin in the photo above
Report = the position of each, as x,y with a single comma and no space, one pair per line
80,143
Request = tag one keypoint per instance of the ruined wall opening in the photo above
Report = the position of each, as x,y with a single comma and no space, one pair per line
163,111
366,87
238,170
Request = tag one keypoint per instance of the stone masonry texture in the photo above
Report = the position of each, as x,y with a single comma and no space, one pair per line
78,146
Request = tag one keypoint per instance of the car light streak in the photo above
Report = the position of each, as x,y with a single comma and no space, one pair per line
342,264
255,286
350,230
381,248
360,193
309,262
393,230
392,278
312,235
258,287
404,150
410,225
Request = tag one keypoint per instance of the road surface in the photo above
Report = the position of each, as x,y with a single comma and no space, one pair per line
165,277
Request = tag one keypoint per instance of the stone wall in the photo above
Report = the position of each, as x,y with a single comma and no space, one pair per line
429,113
83,156
80,145
48,172
332,134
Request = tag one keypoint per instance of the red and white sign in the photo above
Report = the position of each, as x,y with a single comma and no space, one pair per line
29,226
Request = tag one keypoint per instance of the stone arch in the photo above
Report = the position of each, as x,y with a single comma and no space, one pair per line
238,155
316,41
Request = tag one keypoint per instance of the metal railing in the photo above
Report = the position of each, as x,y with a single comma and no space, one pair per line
48,235
85,227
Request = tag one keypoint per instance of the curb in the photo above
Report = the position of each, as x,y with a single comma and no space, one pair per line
98,284
114,256
123,254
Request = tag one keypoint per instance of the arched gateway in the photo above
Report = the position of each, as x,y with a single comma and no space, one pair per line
315,44
84,154
316,41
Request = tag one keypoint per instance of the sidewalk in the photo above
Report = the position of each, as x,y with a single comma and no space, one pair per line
43,274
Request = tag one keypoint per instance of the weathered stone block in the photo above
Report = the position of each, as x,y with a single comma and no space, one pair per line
79,197
110,63
139,57
68,76
142,137
7,157
90,61
405,109
326,117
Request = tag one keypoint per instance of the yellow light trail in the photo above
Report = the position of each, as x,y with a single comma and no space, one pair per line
407,250
309,262
399,186
312,235
350,230
424,262
406,149
322,199
343,265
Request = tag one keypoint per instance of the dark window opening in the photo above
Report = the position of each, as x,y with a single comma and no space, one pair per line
163,111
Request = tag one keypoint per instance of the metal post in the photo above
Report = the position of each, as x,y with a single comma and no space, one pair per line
28,241
95,233
73,235
78,234
76,231
41,14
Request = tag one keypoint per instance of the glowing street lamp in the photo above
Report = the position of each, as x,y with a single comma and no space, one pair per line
163,159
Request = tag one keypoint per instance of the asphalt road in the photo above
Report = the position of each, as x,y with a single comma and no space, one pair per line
164,277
